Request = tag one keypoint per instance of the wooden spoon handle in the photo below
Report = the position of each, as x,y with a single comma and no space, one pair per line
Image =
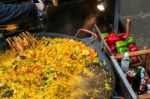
128,21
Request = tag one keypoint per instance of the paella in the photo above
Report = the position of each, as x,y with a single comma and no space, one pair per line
54,69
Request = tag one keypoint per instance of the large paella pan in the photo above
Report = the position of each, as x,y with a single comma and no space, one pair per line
58,67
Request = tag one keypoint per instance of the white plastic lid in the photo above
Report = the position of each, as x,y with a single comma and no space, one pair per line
126,54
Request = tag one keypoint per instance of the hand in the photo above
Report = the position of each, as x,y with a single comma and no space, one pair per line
40,6
55,2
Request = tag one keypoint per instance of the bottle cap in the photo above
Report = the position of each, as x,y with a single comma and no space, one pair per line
126,54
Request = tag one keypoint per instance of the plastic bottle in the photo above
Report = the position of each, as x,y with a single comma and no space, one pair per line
125,61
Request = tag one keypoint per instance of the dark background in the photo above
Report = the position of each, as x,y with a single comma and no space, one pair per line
139,11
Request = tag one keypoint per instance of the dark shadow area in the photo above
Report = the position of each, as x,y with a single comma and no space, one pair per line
67,18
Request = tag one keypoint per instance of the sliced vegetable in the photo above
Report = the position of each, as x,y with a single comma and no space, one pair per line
8,93
22,57
122,50
120,44
5,91
130,40
105,35
3,69
44,78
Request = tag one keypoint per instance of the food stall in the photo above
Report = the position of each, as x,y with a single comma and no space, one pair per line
78,20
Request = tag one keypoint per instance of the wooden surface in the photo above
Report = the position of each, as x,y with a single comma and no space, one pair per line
144,96
135,53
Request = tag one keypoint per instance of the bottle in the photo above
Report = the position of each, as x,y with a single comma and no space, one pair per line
143,83
148,88
125,61
131,74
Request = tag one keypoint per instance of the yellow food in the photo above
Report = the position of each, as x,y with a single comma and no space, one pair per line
11,27
51,70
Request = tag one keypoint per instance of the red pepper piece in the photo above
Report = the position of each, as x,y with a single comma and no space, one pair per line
124,36
131,45
114,52
134,59
112,38
112,47
133,48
